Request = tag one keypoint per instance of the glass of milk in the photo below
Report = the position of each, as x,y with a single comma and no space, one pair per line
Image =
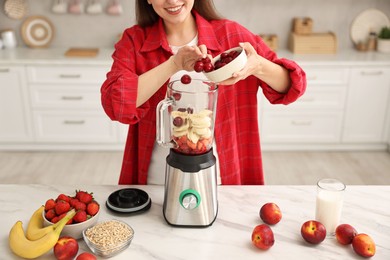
329,203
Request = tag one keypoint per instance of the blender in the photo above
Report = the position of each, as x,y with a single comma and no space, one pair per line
185,124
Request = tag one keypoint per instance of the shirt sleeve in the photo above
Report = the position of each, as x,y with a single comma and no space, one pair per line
296,73
119,90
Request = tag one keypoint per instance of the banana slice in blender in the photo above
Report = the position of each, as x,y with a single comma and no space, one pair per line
200,131
180,133
200,121
206,133
205,112
193,136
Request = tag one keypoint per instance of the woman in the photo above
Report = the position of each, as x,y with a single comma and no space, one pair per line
170,36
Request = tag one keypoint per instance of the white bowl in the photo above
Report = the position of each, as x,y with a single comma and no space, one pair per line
227,71
74,230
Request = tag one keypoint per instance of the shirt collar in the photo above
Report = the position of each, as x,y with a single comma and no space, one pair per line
156,36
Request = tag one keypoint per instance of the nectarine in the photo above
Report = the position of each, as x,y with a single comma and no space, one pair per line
263,237
270,213
314,232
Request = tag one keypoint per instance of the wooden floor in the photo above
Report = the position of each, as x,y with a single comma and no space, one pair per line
296,168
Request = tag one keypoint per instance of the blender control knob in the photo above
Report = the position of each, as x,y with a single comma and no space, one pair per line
189,199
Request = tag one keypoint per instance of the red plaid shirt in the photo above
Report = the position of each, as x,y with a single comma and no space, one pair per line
236,126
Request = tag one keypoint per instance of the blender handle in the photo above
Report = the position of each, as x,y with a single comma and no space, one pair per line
163,132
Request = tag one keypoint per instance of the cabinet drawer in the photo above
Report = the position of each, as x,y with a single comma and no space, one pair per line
81,127
326,75
330,98
302,128
67,74
64,96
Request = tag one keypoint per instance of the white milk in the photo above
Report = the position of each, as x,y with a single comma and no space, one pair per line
328,209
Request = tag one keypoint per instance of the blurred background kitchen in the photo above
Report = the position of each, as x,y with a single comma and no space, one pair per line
55,54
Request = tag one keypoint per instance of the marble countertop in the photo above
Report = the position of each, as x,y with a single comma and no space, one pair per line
367,208
27,56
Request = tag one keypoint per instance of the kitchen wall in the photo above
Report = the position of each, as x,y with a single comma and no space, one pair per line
260,16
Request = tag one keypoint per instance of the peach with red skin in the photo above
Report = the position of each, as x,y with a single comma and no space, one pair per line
270,213
313,232
263,237
66,248
364,245
345,234
86,256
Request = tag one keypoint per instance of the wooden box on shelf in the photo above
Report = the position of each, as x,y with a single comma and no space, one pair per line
314,43
303,25
271,40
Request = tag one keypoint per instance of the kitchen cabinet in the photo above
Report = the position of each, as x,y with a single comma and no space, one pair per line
66,104
15,123
367,106
316,117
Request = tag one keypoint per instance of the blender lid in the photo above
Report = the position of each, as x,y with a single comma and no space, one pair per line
129,200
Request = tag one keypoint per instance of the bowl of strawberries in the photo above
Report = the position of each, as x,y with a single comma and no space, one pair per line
223,66
87,212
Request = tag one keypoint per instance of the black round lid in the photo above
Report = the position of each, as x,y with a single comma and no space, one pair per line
129,200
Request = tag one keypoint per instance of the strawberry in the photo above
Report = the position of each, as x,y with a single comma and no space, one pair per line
80,206
62,207
50,204
80,216
84,196
63,197
92,208
55,220
50,214
73,202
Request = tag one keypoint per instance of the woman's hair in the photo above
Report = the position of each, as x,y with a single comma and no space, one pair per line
146,16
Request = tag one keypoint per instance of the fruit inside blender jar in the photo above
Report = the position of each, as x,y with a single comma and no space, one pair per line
192,130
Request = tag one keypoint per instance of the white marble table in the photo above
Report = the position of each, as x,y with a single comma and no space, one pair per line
367,208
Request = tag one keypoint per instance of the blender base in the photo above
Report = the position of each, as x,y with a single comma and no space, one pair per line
190,198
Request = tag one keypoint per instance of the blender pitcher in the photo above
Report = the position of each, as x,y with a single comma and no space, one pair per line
185,124
185,119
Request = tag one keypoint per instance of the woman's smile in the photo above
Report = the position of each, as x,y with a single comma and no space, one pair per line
174,10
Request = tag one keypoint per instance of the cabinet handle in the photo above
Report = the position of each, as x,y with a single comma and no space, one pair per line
371,73
301,122
70,76
4,70
71,97
74,122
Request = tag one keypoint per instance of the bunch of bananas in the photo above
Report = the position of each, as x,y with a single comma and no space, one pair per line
38,240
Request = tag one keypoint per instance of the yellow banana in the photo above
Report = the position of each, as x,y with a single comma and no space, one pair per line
25,248
35,229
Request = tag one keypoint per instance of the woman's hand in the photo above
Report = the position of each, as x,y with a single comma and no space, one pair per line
186,57
253,64
274,75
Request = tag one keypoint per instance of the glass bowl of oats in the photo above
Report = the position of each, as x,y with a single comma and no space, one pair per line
108,238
